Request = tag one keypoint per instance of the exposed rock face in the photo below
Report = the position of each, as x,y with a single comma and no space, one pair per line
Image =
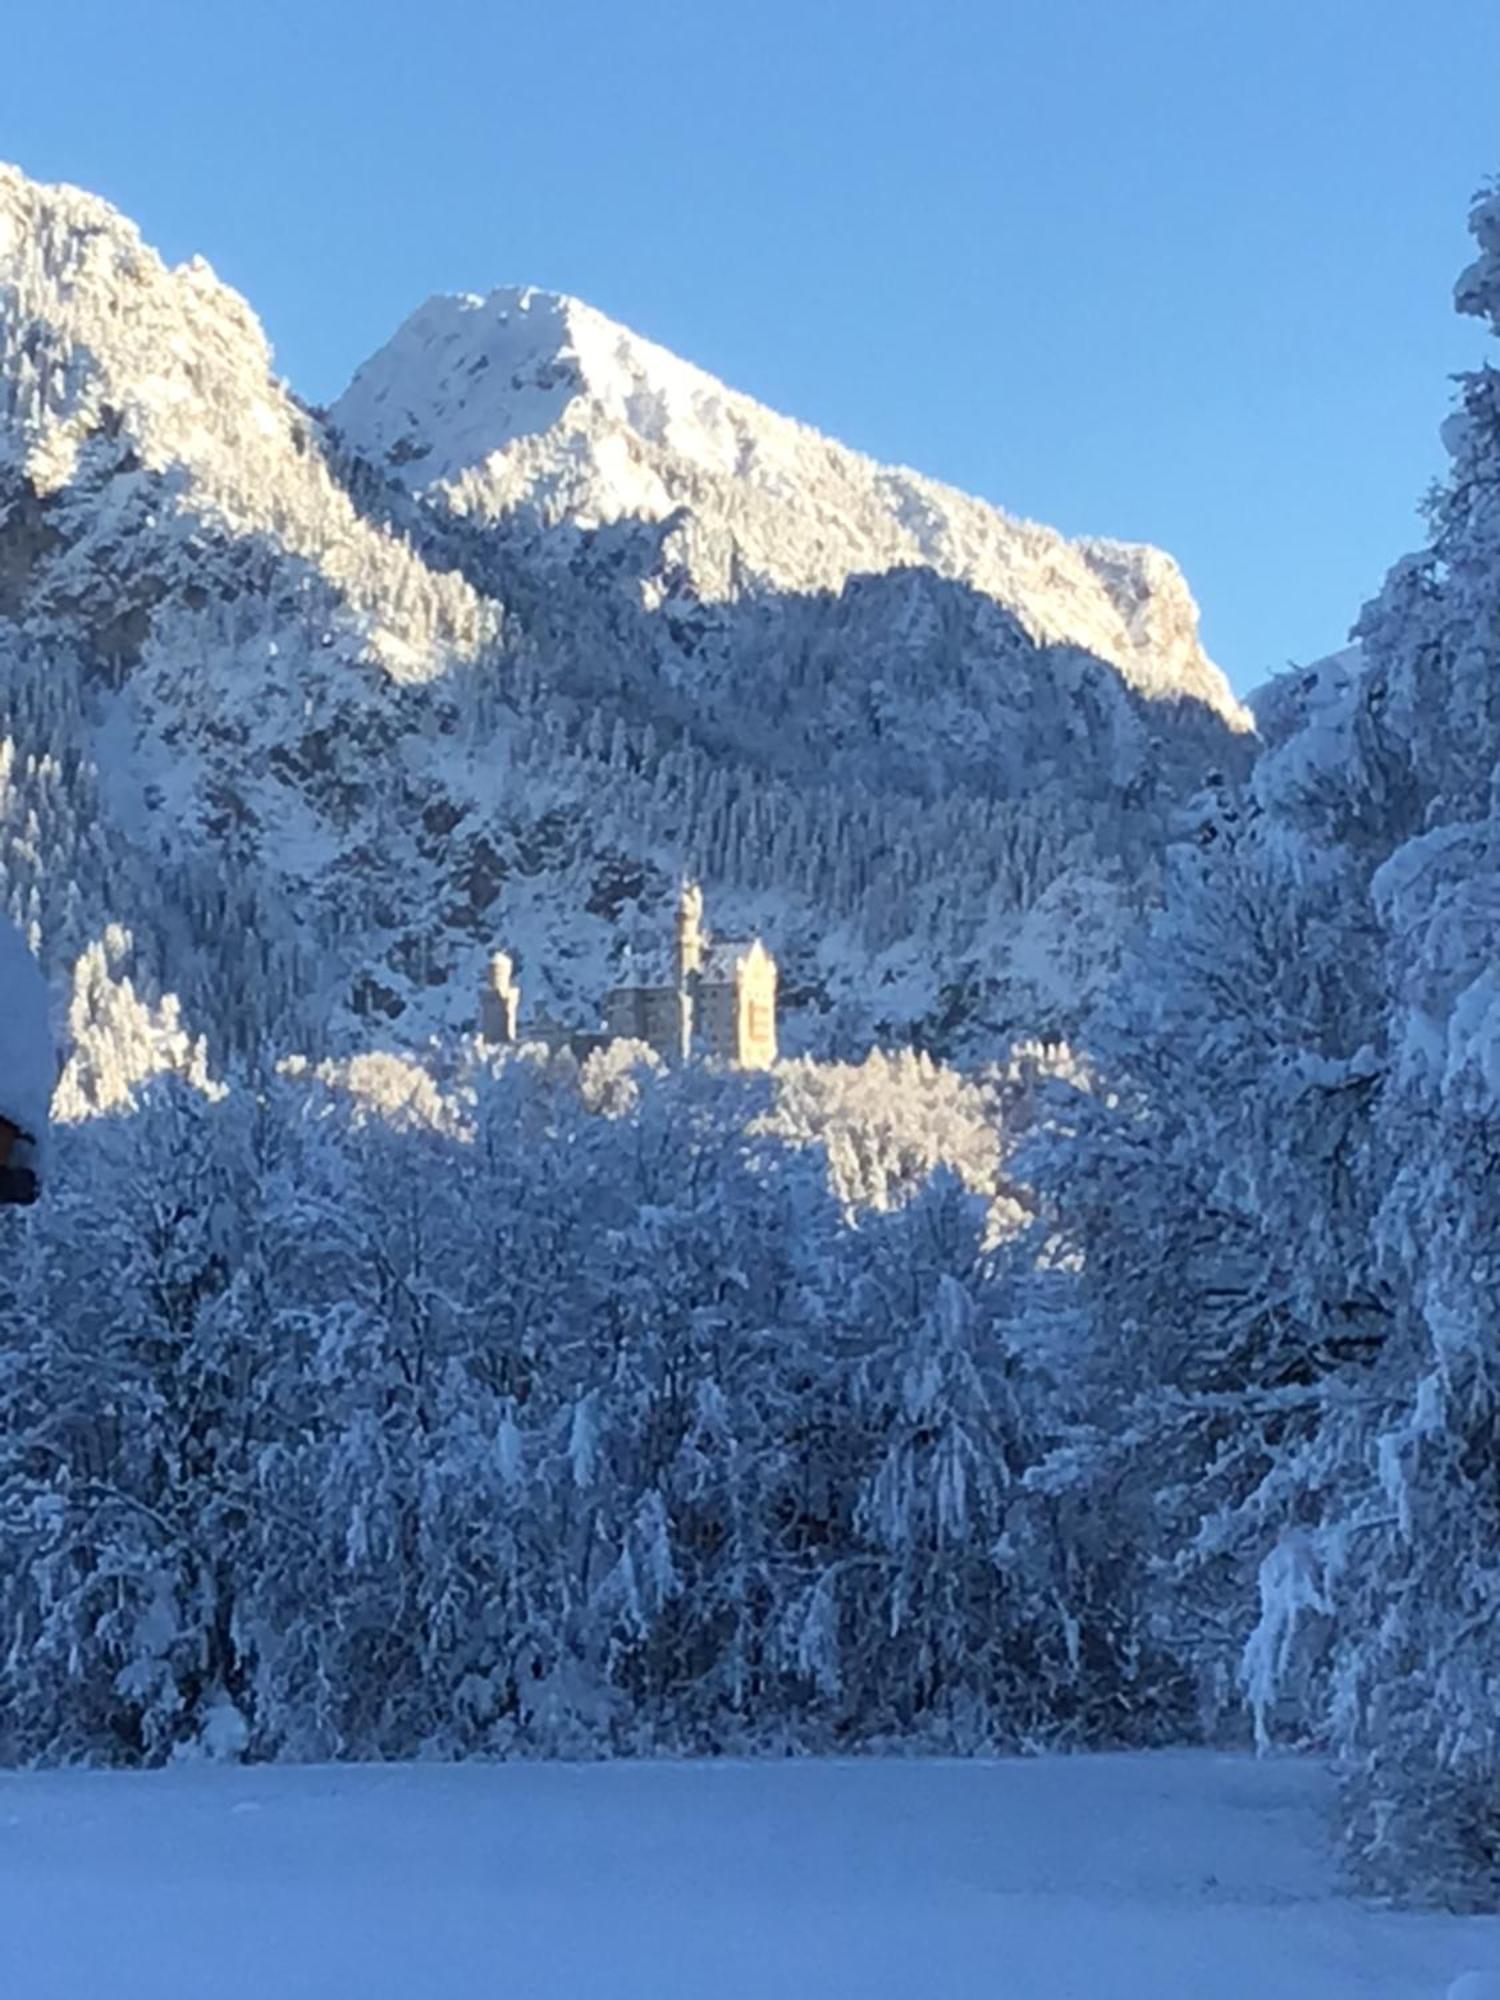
540,617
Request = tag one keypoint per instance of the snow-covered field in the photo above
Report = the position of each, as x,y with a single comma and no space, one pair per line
1100,1878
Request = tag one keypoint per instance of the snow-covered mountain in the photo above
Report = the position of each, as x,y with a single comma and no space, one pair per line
533,405
324,707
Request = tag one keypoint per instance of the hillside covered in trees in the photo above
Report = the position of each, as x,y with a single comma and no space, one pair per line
321,733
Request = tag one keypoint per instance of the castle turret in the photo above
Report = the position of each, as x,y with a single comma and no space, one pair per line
500,1001
690,937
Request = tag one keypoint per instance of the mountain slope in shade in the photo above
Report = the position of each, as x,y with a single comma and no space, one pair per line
324,709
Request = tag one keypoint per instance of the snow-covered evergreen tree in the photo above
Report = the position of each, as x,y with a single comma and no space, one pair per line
1275,1199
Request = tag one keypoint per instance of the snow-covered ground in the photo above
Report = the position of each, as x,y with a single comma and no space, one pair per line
1158,1877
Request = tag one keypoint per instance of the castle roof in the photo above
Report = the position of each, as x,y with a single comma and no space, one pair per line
645,971
723,958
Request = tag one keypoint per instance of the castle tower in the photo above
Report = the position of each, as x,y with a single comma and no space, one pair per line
500,1001
690,937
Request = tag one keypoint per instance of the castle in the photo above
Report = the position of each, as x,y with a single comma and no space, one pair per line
718,1005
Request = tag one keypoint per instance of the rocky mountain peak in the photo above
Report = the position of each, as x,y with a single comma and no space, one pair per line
530,406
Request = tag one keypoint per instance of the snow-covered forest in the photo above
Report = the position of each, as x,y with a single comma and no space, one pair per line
368,1394
342,1422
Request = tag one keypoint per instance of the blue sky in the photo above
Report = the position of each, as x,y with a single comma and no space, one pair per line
1177,271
